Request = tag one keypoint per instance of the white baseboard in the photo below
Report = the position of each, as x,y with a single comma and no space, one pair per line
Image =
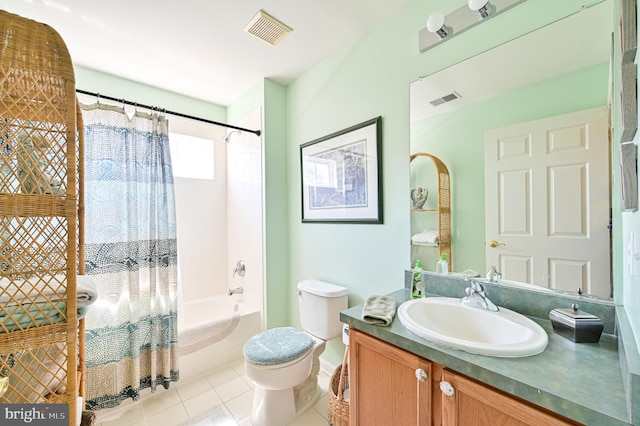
327,367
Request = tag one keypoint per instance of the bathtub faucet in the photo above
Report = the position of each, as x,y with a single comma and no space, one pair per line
237,290
240,269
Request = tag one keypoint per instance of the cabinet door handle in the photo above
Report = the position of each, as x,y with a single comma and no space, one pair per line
447,388
421,375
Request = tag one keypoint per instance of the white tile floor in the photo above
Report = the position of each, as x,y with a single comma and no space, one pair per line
227,387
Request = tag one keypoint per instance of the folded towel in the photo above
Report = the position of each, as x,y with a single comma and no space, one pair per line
82,310
86,291
428,237
379,310
39,290
21,317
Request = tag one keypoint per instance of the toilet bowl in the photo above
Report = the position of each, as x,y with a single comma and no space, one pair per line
283,363
284,390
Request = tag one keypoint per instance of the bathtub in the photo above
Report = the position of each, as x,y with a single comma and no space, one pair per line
212,332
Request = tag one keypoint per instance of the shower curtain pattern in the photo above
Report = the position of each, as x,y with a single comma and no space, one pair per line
131,251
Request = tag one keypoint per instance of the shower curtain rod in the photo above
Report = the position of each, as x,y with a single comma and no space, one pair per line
178,114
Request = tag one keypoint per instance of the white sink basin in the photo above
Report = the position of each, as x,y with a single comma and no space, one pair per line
446,321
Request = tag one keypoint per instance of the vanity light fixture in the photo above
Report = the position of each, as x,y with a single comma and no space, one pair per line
440,27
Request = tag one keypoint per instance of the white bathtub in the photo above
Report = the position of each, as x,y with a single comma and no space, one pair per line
212,332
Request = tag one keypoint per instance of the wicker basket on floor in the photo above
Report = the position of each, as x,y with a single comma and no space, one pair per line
338,407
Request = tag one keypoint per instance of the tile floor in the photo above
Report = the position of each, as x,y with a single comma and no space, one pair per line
227,387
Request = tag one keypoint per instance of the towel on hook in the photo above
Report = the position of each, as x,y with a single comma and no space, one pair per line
379,310
428,237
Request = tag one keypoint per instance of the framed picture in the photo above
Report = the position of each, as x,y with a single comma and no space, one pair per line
628,69
628,31
342,176
629,102
628,177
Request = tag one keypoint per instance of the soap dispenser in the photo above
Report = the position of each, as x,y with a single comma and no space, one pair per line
416,281
442,267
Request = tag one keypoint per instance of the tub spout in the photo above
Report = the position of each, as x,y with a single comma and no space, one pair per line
237,290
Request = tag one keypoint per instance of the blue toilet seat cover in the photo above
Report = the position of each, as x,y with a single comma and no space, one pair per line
277,346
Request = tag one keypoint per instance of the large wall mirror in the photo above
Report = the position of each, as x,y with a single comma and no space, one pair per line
541,102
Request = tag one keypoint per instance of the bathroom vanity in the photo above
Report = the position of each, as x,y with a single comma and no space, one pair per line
407,389
397,377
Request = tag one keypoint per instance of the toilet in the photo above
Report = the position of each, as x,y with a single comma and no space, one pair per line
284,362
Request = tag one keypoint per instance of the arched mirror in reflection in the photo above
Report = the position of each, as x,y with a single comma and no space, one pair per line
523,130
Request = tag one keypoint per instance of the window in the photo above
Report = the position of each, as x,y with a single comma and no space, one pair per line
192,157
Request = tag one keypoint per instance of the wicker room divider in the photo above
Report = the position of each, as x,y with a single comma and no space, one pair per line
41,227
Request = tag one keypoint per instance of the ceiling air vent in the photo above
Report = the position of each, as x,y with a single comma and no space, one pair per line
443,100
267,28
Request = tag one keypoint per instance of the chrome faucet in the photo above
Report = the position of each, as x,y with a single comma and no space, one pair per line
493,275
240,269
477,298
237,290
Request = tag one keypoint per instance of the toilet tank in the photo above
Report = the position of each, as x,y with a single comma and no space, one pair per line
320,306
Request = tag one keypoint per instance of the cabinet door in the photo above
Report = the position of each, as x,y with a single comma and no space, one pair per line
466,402
388,386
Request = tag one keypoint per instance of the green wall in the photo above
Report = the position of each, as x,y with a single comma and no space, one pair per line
278,296
114,86
367,78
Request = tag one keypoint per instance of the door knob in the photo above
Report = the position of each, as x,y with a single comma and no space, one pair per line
421,375
494,244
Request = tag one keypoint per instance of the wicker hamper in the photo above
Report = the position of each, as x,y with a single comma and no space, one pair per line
338,407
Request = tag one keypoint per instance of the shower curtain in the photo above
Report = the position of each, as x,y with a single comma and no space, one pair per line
131,252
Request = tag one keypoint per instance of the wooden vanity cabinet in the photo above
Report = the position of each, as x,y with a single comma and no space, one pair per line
473,403
388,386
385,390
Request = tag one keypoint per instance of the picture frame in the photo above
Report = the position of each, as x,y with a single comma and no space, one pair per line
341,176
628,31
628,177
628,102
628,70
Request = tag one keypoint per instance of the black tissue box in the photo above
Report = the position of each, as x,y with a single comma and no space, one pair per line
576,325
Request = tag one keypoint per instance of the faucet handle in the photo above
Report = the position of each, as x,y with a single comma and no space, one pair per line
476,286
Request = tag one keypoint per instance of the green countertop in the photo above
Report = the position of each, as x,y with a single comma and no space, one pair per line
581,381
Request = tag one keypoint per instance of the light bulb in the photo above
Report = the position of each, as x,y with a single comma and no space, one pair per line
477,4
435,22
483,7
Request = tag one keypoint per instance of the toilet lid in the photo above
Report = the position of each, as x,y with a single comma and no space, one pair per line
277,346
